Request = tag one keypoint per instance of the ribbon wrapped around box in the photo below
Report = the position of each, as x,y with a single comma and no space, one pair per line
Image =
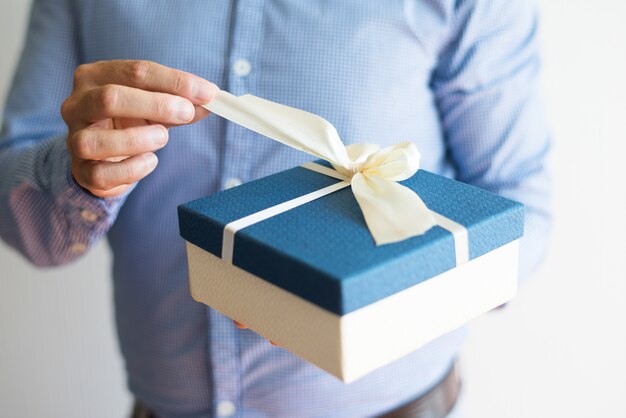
354,261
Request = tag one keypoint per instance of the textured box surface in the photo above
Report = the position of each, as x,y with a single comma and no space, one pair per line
323,252
313,280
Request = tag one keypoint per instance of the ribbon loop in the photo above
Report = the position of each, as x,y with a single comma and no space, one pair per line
392,212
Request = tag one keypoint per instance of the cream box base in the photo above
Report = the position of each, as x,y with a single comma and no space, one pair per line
355,344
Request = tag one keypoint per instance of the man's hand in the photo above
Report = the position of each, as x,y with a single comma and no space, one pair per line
242,326
118,115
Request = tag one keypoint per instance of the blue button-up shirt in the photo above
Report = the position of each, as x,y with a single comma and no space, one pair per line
459,78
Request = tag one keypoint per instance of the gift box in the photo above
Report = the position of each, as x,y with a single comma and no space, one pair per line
312,279
353,261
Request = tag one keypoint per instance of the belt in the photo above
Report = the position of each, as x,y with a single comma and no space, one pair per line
436,403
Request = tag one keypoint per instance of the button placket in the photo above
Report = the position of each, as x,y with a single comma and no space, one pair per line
242,67
225,362
243,75
225,409
232,182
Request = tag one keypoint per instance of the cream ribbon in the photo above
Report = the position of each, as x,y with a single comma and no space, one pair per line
392,211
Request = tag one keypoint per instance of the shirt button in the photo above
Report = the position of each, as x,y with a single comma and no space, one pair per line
232,182
242,67
88,215
225,409
78,248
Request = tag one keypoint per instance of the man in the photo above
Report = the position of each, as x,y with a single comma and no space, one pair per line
459,78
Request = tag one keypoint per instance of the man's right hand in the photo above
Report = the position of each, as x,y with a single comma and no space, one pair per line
118,115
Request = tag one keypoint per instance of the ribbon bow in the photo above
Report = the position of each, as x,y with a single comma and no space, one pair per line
392,211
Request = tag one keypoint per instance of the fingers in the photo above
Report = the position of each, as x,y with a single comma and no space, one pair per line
147,75
115,101
106,178
100,144
201,113
110,116
116,191
239,325
242,326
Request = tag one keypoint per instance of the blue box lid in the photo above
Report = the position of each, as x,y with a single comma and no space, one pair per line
323,252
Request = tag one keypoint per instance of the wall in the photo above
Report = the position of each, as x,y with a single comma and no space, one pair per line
557,350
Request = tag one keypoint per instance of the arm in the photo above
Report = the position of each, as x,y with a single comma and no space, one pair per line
40,205
61,187
486,89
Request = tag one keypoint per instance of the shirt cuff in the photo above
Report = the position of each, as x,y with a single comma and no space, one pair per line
84,211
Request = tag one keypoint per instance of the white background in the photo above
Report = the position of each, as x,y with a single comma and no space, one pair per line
559,350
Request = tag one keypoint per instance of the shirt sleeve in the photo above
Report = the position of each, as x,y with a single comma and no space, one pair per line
44,214
487,91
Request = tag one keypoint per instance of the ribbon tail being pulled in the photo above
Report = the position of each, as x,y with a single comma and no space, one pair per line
296,128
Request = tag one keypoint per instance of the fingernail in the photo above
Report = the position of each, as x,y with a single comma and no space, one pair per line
184,110
151,160
157,135
203,91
